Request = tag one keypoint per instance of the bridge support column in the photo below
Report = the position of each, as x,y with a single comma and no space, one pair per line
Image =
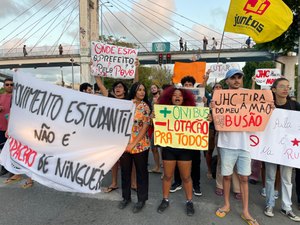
89,30
289,69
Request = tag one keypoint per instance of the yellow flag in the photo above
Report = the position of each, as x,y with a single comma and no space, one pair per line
263,20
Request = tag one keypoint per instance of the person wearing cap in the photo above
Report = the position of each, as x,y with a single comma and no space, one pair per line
234,156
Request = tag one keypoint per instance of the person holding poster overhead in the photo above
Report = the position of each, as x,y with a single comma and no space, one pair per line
137,150
280,89
173,156
234,157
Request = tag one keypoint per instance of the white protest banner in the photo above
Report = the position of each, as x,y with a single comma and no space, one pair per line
113,61
64,139
280,141
219,70
266,77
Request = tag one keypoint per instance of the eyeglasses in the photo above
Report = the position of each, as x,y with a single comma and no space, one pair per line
9,85
283,87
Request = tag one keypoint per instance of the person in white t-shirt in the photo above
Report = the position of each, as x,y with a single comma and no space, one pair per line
236,155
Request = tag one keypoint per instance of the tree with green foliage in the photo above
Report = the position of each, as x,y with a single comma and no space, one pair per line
289,40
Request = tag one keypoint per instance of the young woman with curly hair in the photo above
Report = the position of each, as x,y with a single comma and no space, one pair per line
179,156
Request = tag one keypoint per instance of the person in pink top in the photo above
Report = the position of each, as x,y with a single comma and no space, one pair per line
5,102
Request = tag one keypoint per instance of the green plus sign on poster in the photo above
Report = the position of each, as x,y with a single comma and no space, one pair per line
161,47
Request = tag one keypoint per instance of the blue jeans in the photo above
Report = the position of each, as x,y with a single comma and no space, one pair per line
286,185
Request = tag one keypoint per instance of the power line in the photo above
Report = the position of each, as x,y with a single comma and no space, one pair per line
165,21
57,15
25,22
136,19
191,20
31,29
20,15
126,28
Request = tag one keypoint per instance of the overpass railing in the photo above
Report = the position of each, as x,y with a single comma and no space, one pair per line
143,47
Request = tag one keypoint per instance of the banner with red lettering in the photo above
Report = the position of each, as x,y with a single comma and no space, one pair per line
242,109
181,126
64,139
279,143
113,61
266,77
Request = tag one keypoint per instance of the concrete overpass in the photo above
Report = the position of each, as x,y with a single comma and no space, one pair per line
226,55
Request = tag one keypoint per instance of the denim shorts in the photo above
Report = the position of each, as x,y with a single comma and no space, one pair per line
235,157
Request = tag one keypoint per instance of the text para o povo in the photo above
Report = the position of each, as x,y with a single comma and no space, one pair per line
181,127
113,61
242,109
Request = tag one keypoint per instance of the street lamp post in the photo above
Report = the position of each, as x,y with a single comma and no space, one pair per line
72,61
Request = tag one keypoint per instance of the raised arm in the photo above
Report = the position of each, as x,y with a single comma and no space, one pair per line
101,86
136,76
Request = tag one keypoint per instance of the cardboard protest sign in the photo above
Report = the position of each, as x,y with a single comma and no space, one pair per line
266,77
279,143
219,70
64,139
181,126
194,69
199,93
242,109
113,61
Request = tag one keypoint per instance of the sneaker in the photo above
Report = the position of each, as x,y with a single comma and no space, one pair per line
269,211
163,206
175,187
276,194
252,181
263,192
290,215
190,208
197,191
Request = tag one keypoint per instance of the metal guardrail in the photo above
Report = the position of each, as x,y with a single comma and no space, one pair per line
75,49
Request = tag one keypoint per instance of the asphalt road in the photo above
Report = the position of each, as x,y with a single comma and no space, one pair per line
40,205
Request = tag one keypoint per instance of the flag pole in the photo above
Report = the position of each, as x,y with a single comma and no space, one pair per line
219,52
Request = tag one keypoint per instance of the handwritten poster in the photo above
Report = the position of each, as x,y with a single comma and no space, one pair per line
113,61
181,126
64,139
279,143
194,69
219,70
242,109
266,77
198,93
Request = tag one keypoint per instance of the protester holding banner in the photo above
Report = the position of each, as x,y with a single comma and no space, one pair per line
234,157
213,139
189,82
280,89
155,92
173,156
5,102
137,150
119,91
